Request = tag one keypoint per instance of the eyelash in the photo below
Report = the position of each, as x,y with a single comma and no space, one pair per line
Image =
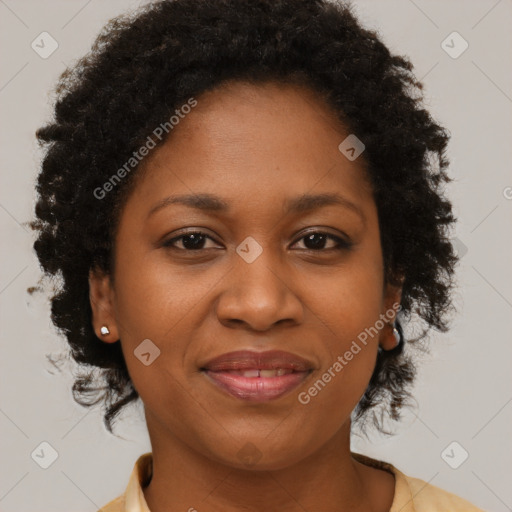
341,244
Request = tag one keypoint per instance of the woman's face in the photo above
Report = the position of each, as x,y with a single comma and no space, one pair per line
257,281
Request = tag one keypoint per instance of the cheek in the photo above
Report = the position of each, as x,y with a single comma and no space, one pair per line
349,304
153,296
350,353
349,299
156,301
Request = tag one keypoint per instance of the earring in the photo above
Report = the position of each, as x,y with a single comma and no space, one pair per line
396,334
399,339
104,330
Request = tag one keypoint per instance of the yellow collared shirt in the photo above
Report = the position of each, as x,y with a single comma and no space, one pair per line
411,494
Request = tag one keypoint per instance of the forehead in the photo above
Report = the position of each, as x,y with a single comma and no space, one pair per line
238,108
254,142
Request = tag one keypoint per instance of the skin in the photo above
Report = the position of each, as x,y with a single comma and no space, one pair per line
255,146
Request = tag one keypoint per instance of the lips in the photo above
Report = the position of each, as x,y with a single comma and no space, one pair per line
257,376
249,360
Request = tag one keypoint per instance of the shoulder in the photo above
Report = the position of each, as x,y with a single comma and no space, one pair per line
132,500
116,505
427,497
415,495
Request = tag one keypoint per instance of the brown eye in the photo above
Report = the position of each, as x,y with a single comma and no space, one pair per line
316,241
192,241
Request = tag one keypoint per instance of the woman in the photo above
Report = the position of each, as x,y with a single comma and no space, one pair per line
244,200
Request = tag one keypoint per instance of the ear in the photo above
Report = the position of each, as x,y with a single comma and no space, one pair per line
391,306
101,297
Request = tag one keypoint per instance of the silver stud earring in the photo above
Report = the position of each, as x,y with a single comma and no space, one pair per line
104,330
396,334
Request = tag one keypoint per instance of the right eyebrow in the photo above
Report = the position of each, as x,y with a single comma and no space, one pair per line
206,202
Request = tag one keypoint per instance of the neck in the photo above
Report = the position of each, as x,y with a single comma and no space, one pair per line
329,480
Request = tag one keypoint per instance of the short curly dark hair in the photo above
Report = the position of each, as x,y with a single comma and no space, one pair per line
148,62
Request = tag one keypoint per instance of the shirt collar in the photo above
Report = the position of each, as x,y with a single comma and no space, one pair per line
140,477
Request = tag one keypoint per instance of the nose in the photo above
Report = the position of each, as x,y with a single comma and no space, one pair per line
259,295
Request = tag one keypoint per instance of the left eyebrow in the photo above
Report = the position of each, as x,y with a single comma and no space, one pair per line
308,202
301,204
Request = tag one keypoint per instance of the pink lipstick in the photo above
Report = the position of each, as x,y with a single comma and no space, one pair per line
257,376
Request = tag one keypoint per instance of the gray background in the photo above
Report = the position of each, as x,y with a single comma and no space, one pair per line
464,390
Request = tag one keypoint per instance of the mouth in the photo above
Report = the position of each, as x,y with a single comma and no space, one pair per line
257,385
257,376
